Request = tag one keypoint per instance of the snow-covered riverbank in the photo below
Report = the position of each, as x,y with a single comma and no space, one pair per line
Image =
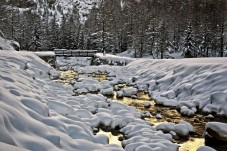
188,84
38,114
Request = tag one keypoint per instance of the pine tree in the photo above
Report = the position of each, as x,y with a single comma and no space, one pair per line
189,44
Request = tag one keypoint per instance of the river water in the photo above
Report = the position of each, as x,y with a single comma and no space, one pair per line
169,115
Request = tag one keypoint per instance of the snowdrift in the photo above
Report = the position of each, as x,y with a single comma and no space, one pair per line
188,84
32,109
39,114
8,44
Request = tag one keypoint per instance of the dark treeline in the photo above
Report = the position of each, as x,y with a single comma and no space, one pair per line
147,27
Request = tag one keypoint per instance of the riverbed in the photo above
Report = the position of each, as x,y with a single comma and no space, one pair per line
169,114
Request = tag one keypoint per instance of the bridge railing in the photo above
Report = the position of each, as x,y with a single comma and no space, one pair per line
74,53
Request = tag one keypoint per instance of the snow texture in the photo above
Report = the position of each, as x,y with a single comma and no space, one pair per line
38,114
187,84
217,129
182,129
191,83
7,44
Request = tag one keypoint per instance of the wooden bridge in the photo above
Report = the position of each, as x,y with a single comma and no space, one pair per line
74,53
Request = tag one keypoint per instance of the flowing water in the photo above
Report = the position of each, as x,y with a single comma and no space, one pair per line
169,114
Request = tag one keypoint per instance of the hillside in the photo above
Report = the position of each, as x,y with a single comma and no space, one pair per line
155,28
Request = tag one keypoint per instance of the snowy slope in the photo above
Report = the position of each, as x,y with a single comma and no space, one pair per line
7,44
185,83
57,7
66,6
188,84
39,114
33,108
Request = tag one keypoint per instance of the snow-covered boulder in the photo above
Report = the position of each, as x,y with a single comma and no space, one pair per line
147,104
130,91
159,116
120,94
216,131
6,44
169,94
186,111
205,148
54,74
182,129
107,92
217,103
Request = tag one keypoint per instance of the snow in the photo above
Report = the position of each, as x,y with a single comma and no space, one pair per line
196,81
44,53
66,7
73,61
7,44
33,110
107,92
205,148
38,114
217,130
112,59
181,129
129,91
147,104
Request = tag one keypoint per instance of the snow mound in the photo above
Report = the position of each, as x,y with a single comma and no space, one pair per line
112,59
35,113
8,44
200,82
182,129
217,130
